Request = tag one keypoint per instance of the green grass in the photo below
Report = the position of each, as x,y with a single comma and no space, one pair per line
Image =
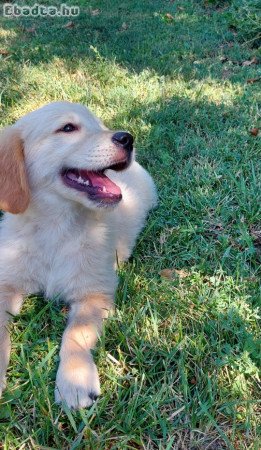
179,360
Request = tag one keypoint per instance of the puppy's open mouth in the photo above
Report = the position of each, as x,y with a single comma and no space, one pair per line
96,184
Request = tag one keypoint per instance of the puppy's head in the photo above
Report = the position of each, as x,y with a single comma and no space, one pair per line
61,149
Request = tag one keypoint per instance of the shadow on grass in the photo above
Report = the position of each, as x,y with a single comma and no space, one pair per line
147,40
136,36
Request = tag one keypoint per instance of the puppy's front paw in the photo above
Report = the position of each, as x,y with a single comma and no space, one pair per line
77,384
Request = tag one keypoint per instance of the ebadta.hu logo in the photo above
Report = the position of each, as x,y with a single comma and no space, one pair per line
37,10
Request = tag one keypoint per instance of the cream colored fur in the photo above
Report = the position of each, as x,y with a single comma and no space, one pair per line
64,244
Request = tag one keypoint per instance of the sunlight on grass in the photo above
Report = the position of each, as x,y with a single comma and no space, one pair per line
4,33
92,82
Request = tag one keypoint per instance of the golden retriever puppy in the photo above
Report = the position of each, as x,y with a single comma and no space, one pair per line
74,198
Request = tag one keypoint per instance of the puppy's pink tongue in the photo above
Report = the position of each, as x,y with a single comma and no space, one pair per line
101,181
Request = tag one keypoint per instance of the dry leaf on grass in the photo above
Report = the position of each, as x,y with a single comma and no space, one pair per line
124,27
254,131
95,12
170,274
4,52
252,279
169,17
253,80
30,30
250,62
167,273
69,25
181,273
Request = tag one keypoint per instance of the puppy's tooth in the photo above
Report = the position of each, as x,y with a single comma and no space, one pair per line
104,189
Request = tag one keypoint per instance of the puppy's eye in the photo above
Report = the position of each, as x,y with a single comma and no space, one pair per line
68,128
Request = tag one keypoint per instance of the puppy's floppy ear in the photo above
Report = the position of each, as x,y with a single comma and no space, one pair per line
14,189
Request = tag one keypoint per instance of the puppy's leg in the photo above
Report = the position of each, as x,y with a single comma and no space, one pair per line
77,381
10,305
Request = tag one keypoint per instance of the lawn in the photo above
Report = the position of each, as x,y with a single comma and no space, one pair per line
179,360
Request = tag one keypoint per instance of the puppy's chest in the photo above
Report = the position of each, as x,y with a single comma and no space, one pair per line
65,260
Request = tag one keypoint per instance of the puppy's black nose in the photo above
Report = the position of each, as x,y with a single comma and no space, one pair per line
123,139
